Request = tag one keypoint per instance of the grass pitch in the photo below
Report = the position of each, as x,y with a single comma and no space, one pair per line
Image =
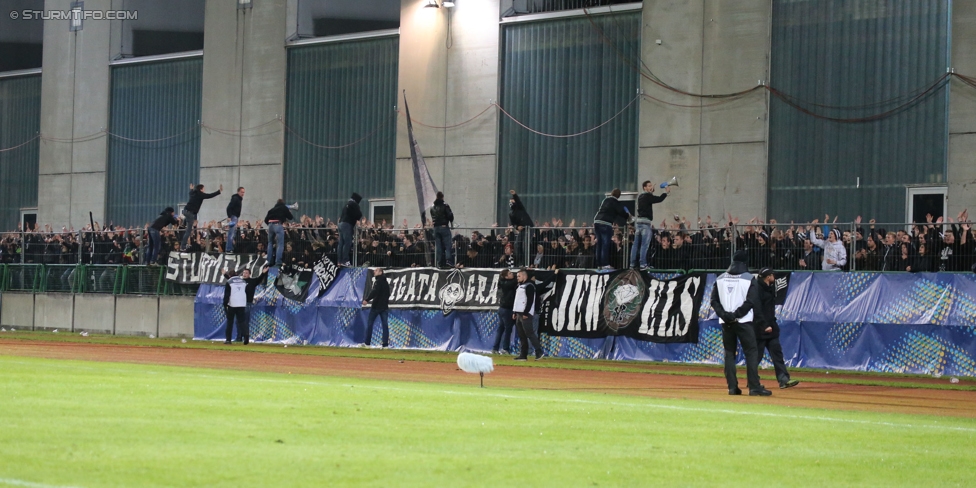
77,423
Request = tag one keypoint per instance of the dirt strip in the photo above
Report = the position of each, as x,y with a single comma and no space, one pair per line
814,395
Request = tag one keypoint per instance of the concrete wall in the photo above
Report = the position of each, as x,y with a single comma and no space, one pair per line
17,310
449,80
718,152
244,72
53,311
962,111
74,104
176,317
136,315
94,313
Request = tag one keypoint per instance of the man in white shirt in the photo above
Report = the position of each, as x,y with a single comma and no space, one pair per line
235,303
523,311
731,302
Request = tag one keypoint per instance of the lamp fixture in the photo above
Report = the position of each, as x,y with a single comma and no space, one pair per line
77,15
448,3
243,4
432,4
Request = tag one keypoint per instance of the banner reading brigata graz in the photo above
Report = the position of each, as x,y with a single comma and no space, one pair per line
195,268
631,303
446,290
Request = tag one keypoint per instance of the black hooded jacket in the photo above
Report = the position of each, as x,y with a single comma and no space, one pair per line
380,294
351,213
280,213
611,212
517,215
765,314
235,205
165,218
196,200
506,293
441,213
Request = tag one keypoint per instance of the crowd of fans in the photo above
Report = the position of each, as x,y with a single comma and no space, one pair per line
935,245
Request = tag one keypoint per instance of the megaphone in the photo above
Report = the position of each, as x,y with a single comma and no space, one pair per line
673,182
293,206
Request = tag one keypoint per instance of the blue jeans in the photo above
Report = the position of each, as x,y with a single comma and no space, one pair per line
443,256
506,323
643,233
231,232
604,239
384,316
345,242
155,244
276,244
191,218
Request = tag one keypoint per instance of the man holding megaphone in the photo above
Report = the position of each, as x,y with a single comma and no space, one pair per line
643,232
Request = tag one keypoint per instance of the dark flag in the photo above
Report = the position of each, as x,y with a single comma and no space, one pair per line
293,282
426,190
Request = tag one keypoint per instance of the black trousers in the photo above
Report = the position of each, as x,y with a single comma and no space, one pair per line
775,350
239,315
744,334
526,334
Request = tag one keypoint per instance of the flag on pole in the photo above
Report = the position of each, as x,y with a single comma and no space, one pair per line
426,190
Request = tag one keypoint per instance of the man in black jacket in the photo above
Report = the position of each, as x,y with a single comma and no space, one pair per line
766,328
441,217
155,240
524,310
351,214
276,217
380,296
734,300
643,231
519,219
192,208
507,286
611,213
233,214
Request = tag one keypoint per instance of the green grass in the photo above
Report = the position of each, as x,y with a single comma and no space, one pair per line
807,375
77,423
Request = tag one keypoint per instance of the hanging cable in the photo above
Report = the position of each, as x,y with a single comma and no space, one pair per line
611,119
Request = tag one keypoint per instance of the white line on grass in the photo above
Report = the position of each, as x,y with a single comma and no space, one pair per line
29,484
586,402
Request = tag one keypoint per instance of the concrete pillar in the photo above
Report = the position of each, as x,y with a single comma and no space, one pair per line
962,111
244,74
74,104
718,151
449,69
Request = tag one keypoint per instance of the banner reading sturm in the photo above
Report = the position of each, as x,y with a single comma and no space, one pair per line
196,268
591,305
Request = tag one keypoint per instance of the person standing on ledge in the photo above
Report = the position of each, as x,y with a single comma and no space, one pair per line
276,218
520,220
351,214
233,214
235,303
524,309
192,208
766,328
611,213
155,240
380,296
643,231
442,217
735,312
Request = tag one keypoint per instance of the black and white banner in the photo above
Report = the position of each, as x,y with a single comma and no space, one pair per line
446,290
590,304
198,268
327,271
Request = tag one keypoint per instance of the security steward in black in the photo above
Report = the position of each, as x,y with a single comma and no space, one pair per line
766,328
380,296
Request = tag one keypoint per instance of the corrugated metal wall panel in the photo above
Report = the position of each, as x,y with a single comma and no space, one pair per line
20,120
338,94
841,53
561,77
161,102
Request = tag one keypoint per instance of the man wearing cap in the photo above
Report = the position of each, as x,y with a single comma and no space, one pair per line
643,232
835,255
730,300
766,328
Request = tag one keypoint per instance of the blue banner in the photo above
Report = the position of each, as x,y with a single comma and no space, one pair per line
897,322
